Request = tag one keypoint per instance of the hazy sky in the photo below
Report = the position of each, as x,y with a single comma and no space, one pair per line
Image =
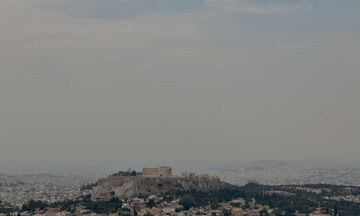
129,83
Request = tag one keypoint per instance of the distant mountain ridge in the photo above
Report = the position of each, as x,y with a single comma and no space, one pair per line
273,172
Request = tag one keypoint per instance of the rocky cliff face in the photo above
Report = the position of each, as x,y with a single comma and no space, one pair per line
131,186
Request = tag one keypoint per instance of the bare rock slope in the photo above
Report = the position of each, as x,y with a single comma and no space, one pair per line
131,186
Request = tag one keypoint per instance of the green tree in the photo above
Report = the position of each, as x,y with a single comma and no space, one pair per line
151,203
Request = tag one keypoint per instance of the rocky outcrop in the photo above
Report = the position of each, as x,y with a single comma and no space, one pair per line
131,186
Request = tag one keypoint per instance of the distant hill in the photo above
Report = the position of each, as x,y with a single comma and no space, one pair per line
273,172
132,186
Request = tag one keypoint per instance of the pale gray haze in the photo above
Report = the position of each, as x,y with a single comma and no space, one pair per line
100,84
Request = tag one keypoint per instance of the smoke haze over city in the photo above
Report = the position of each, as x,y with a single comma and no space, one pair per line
90,85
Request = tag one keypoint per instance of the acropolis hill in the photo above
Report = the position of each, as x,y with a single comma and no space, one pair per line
153,181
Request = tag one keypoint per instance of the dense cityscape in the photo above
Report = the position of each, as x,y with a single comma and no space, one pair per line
162,193
18,189
272,172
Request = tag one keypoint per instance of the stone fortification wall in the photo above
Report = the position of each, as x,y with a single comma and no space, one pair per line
157,172
197,175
